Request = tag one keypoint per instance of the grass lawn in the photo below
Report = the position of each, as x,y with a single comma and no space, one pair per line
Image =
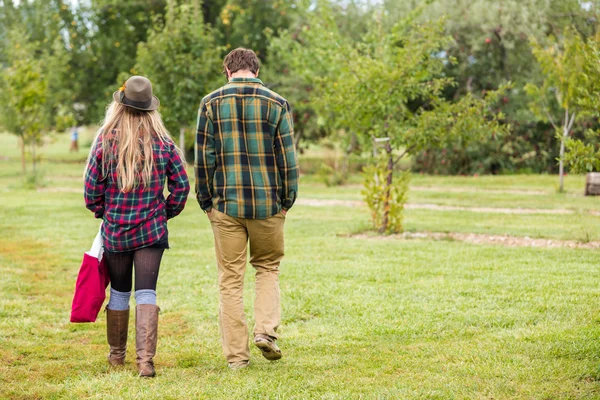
372,319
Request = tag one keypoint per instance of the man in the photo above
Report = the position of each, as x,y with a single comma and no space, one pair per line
74,140
246,182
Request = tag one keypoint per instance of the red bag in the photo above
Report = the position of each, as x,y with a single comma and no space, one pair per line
90,289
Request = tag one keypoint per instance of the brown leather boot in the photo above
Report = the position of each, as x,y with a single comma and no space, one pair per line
117,322
146,336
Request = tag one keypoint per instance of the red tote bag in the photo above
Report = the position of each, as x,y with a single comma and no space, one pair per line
90,289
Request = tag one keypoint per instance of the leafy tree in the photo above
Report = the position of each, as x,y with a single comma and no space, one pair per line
297,74
243,22
29,107
584,155
103,41
183,62
556,99
491,48
388,88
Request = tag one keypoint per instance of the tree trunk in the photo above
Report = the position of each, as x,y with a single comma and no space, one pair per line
376,177
561,165
33,156
297,137
388,186
568,124
23,164
346,159
182,139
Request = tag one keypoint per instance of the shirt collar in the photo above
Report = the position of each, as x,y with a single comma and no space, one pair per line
245,80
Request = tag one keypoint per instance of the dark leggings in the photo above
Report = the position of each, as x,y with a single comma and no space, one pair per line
120,268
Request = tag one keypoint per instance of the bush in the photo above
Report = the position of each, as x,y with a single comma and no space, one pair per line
376,191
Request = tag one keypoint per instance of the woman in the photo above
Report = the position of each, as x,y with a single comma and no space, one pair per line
130,159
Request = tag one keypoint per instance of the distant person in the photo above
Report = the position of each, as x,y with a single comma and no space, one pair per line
130,160
74,140
246,182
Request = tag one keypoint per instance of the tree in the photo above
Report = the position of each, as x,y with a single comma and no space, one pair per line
584,156
295,76
102,38
243,22
491,48
556,99
183,62
26,109
388,88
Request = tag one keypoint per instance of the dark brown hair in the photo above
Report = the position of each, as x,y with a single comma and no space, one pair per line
240,59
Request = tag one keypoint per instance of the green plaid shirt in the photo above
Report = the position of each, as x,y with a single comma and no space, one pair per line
246,164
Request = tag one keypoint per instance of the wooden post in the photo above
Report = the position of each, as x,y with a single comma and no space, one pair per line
592,184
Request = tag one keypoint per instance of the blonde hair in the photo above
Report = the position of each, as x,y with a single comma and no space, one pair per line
127,138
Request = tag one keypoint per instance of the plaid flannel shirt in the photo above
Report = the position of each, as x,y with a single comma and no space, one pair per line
246,164
138,218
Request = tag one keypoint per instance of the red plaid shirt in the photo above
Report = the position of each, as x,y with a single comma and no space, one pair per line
138,218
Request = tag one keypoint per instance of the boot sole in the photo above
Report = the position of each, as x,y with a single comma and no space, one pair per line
267,351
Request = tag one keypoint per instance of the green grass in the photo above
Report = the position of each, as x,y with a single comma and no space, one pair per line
372,319
494,191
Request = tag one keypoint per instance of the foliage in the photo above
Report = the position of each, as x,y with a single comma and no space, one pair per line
491,48
556,100
183,62
24,104
296,74
389,85
243,23
107,33
378,195
481,45
585,156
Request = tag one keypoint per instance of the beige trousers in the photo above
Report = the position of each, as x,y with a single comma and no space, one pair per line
266,252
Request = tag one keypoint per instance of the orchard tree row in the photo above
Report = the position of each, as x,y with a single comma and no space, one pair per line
458,86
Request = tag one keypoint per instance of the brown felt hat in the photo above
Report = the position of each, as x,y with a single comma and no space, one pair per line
137,93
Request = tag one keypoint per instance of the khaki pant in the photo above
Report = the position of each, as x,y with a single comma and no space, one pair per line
266,252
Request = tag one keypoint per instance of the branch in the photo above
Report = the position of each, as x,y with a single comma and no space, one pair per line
549,115
408,150
571,122
551,120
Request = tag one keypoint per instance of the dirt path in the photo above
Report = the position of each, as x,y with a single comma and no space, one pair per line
409,206
436,207
477,190
496,210
454,189
483,239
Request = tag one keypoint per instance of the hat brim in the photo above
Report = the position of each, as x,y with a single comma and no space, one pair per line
153,105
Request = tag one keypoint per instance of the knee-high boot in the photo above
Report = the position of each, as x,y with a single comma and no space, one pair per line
117,323
146,336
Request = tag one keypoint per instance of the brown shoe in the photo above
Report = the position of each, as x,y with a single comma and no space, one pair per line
146,336
117,323
239,364
267,346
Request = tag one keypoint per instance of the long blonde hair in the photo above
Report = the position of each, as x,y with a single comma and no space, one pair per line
127,138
